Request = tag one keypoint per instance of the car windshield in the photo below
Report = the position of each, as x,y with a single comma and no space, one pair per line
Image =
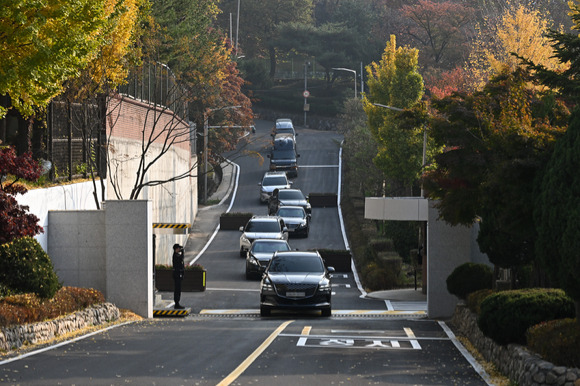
283,125
272,181
267,247
284,154
296,263
290,212
283,144
290,195
263,226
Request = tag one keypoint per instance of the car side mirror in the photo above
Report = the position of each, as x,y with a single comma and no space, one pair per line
241,229
285,229
297,155
330,269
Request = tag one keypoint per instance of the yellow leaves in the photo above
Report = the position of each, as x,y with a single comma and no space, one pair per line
518,30
111,63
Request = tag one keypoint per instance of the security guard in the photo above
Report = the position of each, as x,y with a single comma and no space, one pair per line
178,272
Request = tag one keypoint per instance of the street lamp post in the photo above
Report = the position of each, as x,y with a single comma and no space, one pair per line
354,72
205,146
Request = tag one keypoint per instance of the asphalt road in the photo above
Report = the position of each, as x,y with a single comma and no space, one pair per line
225,341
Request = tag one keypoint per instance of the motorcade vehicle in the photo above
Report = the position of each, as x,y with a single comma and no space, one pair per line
284,126
296,280
260,254
261,227
271,181
294,197
296,219
283,155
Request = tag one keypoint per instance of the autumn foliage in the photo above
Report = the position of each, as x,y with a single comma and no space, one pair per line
15,221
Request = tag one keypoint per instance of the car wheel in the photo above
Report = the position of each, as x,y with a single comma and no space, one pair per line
264,311
242,252
326,311
248,275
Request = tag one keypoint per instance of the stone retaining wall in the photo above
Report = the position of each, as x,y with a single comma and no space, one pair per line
514,361
14,337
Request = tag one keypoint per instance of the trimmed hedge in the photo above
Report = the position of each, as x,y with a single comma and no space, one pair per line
468,278
26,268
506,316
557,341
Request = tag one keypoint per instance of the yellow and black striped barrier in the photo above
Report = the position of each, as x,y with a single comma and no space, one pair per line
172,312
171,228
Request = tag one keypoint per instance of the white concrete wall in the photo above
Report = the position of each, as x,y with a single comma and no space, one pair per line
109,250
129,262
447,246
77,247
174,202
77,196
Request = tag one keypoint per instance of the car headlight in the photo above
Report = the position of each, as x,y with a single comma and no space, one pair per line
267,288
254,261
324,286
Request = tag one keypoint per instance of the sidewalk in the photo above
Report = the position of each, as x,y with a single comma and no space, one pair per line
208,217
207,221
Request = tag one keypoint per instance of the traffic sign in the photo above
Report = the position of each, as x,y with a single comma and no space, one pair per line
306,93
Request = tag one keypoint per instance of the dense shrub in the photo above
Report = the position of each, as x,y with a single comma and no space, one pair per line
506,316
26,268
29,308
474,299
557,341
468,278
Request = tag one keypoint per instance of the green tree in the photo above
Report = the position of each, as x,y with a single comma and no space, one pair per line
395,81
495,145
557,214
259,21
333,45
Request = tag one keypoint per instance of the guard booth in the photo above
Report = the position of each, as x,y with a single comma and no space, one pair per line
166,229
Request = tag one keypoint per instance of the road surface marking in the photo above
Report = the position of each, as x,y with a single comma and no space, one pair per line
249,360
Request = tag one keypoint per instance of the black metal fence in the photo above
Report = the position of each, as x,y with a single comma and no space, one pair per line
74,137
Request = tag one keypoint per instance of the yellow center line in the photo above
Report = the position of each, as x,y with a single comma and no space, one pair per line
249,360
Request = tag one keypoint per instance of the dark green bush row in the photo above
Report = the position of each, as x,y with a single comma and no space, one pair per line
474,299
26,268
468,278
506,316
29,308
557,341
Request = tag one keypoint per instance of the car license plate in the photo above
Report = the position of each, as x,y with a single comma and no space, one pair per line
295,294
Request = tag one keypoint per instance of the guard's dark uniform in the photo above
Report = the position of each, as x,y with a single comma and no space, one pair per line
178,272
273,203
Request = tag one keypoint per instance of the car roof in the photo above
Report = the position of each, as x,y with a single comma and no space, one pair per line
265,218
275,174
291,207
270,241
297,253
291,190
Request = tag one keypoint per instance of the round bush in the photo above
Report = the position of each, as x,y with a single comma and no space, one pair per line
506,316
468,278
26,268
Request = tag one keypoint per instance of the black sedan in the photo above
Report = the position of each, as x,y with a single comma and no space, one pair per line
260,254
296,280
294,197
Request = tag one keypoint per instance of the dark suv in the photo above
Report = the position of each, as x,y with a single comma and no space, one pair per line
283,155
296,280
